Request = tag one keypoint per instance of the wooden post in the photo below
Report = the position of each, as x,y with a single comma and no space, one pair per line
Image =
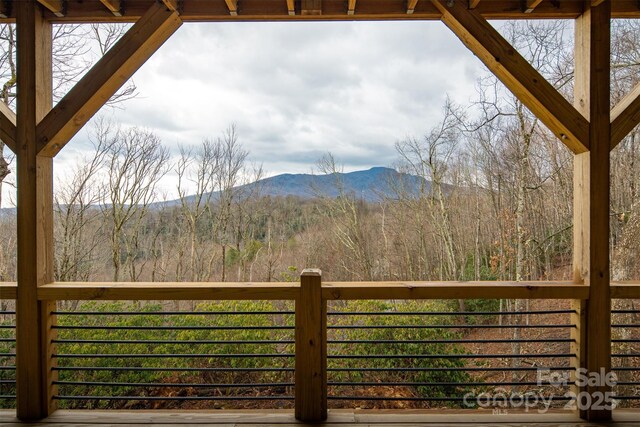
35,215
311,349
591,196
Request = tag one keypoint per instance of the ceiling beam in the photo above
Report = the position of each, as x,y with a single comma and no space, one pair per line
8,126
114,6
531,5
311,7
291,7
625,116
524,81
351,9
105,78
55,6
473,4
232,5
595,3
411,6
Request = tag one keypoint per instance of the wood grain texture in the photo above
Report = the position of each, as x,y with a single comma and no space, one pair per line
453,290
105,78
8,126
524,81
346,418
168,291
311,349
625,116
34,213
592,193
206,10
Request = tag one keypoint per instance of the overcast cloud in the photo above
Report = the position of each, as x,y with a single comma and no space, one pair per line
298,90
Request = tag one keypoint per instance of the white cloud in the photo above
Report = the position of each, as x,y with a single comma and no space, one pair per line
297,90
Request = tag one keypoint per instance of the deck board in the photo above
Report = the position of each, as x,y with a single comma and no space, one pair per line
337,418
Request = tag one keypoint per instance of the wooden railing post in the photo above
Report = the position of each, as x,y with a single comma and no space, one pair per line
34,215
311,349
591,208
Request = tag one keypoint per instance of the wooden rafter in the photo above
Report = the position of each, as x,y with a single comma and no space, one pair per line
351,8
531,5
473,4
625,116
232,5
411,6
114,6
517,74
291,7
105,78
55,6
8,126
172,5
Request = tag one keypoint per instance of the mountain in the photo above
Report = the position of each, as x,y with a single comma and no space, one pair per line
370,185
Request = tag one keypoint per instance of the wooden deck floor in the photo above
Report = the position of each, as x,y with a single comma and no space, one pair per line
338,418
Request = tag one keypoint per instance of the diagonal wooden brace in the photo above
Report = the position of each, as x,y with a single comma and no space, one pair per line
105,78
625,116
8,126
516,73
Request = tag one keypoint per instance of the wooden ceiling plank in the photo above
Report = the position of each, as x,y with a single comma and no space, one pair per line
351,9
114,6
625,116
233,7
105,78
311,7
516,73
291,7
55,6
411,6
8,126
531,5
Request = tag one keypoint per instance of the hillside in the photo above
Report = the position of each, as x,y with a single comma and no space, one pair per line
370,185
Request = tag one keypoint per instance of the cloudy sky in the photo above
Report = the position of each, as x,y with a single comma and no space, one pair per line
298,90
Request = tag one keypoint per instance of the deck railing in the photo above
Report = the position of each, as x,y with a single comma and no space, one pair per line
304,345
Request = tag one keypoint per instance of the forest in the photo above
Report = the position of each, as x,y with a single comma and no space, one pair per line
495,204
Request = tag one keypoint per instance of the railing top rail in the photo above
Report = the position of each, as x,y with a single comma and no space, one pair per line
454,290
331,290
168,291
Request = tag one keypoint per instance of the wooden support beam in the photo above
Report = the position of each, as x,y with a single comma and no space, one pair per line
625,116
8,126
232,5
411,6
531,5
351,7
311,7
114,6
291,7
172,5
34,216
595,3
592,197
473,4
105,78
55,6
516,73
311,349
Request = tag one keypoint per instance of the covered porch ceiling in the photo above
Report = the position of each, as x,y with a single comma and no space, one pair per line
276,10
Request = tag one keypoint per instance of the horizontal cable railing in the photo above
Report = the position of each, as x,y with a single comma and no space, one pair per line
7,357
399,354
625,351
127,355
387,345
